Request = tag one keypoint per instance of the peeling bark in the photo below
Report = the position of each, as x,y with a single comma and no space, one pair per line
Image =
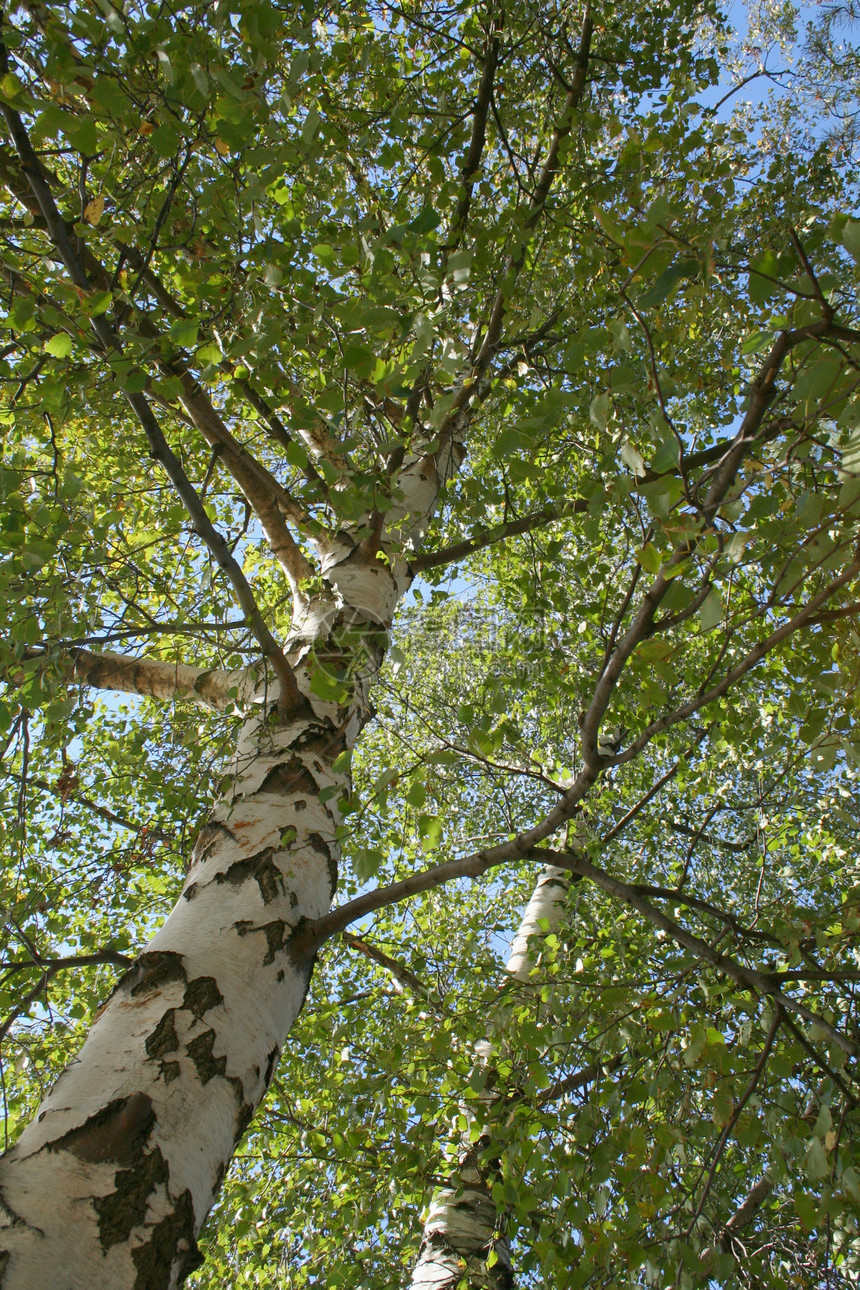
110,1184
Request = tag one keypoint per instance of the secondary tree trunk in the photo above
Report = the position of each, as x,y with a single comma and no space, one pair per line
111,1182
462,1225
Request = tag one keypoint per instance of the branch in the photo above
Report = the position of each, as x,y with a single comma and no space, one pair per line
652,793
833,615
476,145
748,1208
150,678
741,1218
578,506
498,533
74,960
315,932
51,968
473,388
826,307
758,1071
402,975
804,618
159,447
172,306
699,836
539,197
763,392
259,486
763,983
103,812
705,906
278,431
643,624
571,1083
311,934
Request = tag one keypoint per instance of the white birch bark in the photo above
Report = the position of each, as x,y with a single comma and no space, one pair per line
462,1223
148,677
110,1184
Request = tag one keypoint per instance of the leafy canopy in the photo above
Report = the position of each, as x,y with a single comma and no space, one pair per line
302,261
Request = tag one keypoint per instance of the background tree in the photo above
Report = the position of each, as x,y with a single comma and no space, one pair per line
303,305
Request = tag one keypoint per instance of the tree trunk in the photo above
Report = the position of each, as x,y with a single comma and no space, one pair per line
110,1184
462,1225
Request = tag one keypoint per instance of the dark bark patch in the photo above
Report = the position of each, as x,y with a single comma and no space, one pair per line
208,1065
164,1038
117,1133
300,804
190,891
15,1220
288,777
201,994
271,1063
262,868
326,740
304,712
207,840
275,933
205,1063
171,1250
244,1116
318,842
4,1263
153,970
170,1071
302,947
125,1208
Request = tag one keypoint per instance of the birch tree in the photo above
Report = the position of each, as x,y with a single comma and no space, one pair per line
303,305
460,1237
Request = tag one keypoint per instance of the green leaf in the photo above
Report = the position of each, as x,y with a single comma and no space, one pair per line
807,1210
10,87
21,313
429,831
816,1163
165,141
756,342
97,304
426,221
851,238
599,410
311,125
650,558
83,133
667,282
184,332
60,345
760,286
712,611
